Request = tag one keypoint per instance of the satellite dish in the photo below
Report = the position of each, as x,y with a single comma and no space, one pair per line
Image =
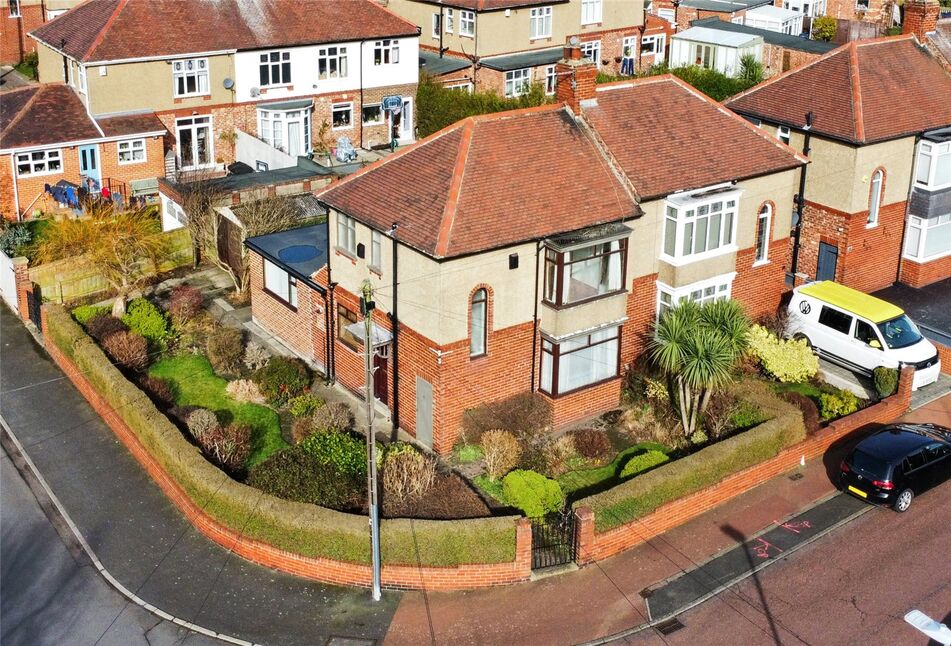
255,91
574,41
228,83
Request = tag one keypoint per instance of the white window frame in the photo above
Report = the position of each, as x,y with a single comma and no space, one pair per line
376,250
363,116
347,234
783,134
467,23
764,221
465,86
199,70
195,123
551,80
39,166
270,65
554,352
667,14
332,56
685,212
539,23
335,107
658,44
449,26
711,289
518,82
386,52
15,11
274,128
737,20
129,148
590,46
82,78
437,25
862,5
916,237
592,11
936,154
876,193
280,284
479,323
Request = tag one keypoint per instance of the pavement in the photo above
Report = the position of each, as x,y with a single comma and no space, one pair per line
143,541
10,79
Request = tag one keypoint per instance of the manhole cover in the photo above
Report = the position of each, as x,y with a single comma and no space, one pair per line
669,626
298,253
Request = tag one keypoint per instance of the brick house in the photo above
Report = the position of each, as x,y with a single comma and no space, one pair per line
871,146
19,17
532,249
259,82
48,137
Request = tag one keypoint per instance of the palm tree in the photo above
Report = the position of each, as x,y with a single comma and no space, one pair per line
696,346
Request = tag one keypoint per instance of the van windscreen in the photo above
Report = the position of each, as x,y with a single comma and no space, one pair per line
900,332
870,466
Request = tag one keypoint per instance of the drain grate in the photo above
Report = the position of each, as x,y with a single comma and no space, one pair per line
796,476
669,626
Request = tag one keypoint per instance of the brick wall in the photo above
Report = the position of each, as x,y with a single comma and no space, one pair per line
14,41
761,287
919,274
594,547
944,353
292,327
774,59
30,189
461,577
878,12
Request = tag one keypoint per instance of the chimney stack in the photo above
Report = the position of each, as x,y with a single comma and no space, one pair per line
576,77
921,17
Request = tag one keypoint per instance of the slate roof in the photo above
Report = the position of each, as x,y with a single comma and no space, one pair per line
666,137
770,37
863,92
532,58
102,30
487,182
434,64
724,6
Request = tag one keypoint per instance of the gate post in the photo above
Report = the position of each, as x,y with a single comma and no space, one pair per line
523,547
584,536
24,286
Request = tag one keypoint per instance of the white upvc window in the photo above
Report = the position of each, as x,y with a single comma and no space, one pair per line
704,291
699,227
666,14
583,360
82,78
386,52
466,23
449,20
551,80
131,151
372,114
274,68
341,115
654,45
280,284
763,221
39,162
347,234
592,50
928,239
196,146
332,62
875,197
286,130
933,167
861,5
14,8
190,77
376,249
437,25
539,22
517,82
591,11
782,132
460,87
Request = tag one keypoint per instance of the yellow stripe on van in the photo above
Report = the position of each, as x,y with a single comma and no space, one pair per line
851,300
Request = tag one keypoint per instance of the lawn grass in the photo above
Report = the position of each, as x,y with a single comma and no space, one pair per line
196,384
805,388
26,69
468,453
489,487
605,476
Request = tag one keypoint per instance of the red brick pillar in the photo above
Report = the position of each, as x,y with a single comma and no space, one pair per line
576,78
584,531
921,18
904,386
21,271
523,547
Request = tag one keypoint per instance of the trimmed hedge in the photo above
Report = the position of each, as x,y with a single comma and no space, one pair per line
645,493
296,527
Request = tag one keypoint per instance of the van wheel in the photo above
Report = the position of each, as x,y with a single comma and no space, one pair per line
803,337
903,501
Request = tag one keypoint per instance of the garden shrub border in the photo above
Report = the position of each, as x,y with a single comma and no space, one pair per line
302,539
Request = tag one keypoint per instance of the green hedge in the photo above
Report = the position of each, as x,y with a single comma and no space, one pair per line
300,528
643,494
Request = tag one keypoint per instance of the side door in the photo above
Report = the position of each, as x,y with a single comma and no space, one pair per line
866,346
833,332
938,457
828,261
915,473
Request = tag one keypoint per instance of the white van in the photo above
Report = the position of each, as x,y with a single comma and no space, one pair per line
860,332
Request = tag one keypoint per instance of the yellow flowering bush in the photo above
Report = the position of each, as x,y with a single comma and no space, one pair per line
786,360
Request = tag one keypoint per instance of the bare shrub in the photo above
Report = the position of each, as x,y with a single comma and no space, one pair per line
407,473
302,428
557,454
201,422
592,443
245,390
335,416
184,303
129,350
102,326
228,446
527,415
502,451
255,356
159,390
226,349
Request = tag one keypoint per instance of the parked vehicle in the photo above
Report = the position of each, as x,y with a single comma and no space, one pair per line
860,332
897,463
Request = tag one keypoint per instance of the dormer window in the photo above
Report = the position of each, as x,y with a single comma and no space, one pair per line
933,169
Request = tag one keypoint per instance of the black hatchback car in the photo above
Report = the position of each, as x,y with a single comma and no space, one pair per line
895,464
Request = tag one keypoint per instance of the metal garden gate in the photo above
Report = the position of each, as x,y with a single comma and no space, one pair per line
554,540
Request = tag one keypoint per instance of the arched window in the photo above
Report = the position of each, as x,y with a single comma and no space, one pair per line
478,323
762,232
875,200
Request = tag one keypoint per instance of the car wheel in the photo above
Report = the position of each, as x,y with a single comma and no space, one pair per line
903,501
803,337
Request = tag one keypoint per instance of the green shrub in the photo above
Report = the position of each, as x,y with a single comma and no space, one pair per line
886,381
833,405
747,415
786,360
468,453
14,236
85,313
143,317
225,350
294,474
304,405
533,493
643,462
282,379
823,28
345,451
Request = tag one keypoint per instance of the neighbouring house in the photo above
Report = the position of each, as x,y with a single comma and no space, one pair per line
781,52
809,9
939,42
772,18
531,250
882,13
714,49
47,138
874,118
261,82
19,17
509,44
681,13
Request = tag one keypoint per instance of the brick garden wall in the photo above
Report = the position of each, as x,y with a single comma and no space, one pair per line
14,41
593,547
773,59
919,274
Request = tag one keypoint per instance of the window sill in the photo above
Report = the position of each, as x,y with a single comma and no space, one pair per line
346,254
478,357
925,261
132,163
580,389
338,129
680,261
566,306
761,263
535,39
871,225
375,270
279,299
43,174
179,97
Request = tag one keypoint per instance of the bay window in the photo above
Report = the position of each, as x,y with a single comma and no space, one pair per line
712,289
933,169
699,227
41,162
286,130
539,23
580,361
584,273
190,77
280,284
928,238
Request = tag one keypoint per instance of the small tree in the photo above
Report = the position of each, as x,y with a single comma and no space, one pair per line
261,217
751,70
126,247
198,199
696,346
823,28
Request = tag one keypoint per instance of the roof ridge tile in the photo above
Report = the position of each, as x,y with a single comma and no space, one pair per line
120,5
455,188
858,115
26,107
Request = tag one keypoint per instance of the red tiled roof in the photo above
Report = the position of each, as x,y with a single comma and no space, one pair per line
491,5
862,92
667,136
488,181
101,30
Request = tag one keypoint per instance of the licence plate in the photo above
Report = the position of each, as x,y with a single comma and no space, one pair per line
858,492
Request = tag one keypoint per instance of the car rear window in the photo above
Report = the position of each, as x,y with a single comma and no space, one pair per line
869,465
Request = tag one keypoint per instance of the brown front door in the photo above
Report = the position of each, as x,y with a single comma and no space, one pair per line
379,377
